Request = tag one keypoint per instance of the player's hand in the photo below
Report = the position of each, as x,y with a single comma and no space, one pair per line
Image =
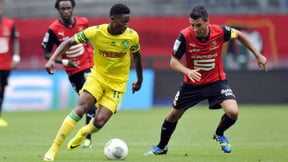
194,75
50,67
262,61
136,86
73,63
14,65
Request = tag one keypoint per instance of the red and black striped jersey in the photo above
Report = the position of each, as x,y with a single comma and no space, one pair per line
82,53
8,33
203,53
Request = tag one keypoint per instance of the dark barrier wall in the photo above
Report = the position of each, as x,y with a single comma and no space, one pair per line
250,87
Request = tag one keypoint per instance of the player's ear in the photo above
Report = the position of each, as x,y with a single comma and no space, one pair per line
206,22
112,17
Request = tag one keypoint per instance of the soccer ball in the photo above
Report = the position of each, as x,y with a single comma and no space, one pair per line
116,149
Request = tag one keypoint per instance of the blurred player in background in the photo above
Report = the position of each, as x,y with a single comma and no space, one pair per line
113,44
9,54
76,61
204,78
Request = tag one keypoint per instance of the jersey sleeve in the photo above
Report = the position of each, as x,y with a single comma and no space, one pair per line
49,40
135,46
84,36
229,33
179,47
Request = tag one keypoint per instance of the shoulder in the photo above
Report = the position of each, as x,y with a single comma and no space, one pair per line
55,25
132,32
187,30
102,26
92,31
97,28
7,20
216,28
81,20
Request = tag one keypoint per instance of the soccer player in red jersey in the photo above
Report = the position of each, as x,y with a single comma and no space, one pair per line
204,78
9,54
78,60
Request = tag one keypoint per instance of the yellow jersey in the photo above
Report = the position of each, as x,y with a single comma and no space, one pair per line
111,53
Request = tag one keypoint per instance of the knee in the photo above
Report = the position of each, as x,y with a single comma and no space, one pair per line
80,110
233,114
174,116
98,123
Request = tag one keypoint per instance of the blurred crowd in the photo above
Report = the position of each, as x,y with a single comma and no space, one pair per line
42,8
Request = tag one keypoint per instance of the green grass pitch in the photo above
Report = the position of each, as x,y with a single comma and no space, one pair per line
260,135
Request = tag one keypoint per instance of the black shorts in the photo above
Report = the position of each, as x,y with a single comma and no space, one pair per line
216,92
77,80
4,74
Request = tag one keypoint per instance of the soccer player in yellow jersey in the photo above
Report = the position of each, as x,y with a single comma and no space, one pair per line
106,84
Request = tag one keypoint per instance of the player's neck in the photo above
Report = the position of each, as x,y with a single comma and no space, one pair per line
206,36
112,31
207,32
68,23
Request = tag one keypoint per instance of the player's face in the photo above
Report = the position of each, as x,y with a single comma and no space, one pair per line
65,10
119,23
199,26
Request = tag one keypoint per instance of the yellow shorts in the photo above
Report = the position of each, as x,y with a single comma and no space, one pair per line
103,93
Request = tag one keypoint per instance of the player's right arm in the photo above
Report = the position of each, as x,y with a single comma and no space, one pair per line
179,50
81,37
62,48
48,42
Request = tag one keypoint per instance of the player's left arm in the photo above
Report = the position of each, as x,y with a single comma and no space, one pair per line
261,60
135,50
139,70
16,48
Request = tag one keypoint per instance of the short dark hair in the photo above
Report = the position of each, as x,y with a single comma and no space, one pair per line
198,12
58,1
119,9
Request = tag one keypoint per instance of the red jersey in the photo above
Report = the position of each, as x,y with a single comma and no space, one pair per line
203,54
82,53
7,34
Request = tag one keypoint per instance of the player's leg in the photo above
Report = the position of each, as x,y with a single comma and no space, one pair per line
77,80
230,108
101,117
228,119
107,106
226,99
185,98
4,74
90,114
85,101
167,129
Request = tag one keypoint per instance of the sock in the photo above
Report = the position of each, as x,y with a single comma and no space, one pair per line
67,126
1,106
1,98
87,129
224,124
166,131
90,115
